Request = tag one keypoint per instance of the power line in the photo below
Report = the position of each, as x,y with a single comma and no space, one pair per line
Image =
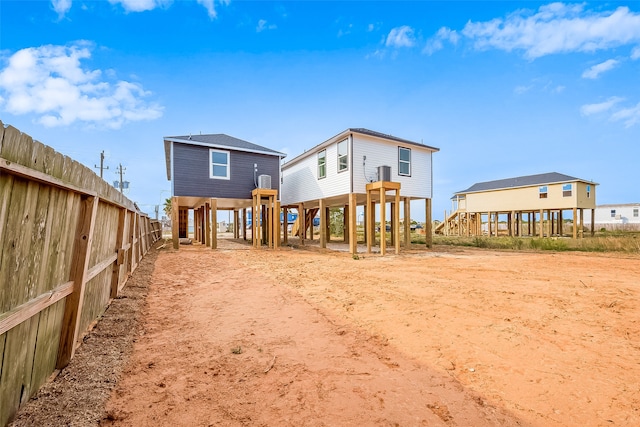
122,183
101,167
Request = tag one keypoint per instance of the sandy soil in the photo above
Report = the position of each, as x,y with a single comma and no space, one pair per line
459,337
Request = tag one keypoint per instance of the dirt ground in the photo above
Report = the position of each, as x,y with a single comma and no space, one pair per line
450,336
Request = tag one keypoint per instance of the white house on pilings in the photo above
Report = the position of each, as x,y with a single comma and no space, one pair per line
359,167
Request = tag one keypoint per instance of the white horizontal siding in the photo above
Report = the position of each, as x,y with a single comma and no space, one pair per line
624,214
380,153
300,181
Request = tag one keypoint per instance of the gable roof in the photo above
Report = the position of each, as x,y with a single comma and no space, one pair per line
369,132
522,181
361,131
215,140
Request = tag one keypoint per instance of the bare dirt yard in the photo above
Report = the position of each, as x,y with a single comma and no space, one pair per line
449,336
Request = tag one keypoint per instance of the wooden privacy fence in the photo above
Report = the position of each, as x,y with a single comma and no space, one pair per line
68,242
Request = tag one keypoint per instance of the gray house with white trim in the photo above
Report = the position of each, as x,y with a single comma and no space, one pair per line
218,166
215,172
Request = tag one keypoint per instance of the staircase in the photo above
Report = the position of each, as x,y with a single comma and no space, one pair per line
451,220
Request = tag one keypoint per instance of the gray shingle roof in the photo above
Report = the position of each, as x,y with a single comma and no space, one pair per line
222,140
521,181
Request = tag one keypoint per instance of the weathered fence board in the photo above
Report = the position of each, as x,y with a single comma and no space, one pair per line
68,242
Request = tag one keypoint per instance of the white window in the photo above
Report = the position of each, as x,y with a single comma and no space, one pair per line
635,212
588,191
219,164
322,164
343,156
613,213
566,190
404,161
542,191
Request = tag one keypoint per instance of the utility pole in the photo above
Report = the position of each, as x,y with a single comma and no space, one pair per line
101,167
121,172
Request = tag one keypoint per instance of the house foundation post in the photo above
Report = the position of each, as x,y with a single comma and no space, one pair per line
395,222
214,223
345,224
207,224
353,237
428,224
302,223
407,222
175,223
383,222
276,225
244,224
368,221
327,213
323,224
285,225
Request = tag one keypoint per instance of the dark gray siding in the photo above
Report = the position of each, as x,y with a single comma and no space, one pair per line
191,173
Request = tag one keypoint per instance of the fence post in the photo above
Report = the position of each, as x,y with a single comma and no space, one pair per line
115,277
79,265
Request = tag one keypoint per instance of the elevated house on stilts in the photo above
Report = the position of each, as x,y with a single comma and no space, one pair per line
360,168
356,168
544,205
215,172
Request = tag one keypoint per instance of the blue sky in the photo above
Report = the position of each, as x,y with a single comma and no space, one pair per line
502,88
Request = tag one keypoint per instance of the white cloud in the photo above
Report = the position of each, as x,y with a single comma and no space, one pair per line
50,82
61,7
590,109
595,71
262,25
556,28
519,90
400,37
635,53
210,6
435,44
140,5
346,31
630,116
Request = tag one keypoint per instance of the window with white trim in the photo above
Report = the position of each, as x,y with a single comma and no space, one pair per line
588,191
543,191
322,164
635,212
219,165
343,156
404,161
613,213
566,190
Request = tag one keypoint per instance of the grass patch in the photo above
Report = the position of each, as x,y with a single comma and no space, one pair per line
603,242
